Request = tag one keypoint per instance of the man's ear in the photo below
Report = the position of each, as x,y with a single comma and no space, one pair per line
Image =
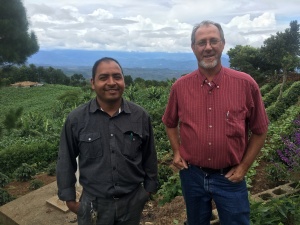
193,47
92,83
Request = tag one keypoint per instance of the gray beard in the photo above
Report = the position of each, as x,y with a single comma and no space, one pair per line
211,65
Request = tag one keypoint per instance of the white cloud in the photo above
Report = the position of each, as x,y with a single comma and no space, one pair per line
157,25
101,14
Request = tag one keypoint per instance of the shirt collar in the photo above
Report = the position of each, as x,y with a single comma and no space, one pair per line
217,79
124,106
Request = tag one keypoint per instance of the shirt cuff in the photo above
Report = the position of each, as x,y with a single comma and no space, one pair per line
150,186
67,194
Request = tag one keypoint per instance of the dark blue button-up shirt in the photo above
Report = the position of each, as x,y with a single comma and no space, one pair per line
116,154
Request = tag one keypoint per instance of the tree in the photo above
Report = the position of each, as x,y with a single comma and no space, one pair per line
246,59
282,51
78,80
128,80
12,119
16,43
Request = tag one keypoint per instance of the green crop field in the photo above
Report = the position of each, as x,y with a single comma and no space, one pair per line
32,99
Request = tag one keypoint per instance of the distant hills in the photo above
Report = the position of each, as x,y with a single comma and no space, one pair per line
148,65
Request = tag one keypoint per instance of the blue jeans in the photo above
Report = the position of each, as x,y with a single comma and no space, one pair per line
200,188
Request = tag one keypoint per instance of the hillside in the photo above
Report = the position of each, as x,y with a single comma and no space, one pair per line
45,111
148,65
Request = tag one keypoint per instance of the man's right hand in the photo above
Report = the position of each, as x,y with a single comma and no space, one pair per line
179,162
73,206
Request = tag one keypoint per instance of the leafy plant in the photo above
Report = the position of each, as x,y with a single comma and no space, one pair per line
4,180
281,211
289,155
5,197
33,152
266,88
251,173
164,172
169,189
24,172
277,172
35,184
51,170
289,98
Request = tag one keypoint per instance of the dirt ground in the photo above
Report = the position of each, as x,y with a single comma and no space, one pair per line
158,215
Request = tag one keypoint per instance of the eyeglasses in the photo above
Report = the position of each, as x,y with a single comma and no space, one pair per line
211,42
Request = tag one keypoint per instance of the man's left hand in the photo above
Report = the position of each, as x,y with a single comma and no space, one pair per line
236,174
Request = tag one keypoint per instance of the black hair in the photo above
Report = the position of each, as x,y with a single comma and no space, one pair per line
104,59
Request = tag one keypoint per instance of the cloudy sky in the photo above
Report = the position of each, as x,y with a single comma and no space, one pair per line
153,25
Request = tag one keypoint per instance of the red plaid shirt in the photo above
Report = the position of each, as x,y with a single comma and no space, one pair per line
215,117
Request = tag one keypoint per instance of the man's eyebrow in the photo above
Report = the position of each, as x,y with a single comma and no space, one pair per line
107,74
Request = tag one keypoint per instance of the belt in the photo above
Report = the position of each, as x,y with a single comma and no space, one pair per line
213,171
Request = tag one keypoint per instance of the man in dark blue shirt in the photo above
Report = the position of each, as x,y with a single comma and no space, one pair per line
113,140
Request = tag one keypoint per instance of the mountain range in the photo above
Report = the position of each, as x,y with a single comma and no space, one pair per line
148,65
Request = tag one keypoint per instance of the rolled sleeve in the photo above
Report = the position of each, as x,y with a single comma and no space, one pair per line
150,161
170,117
66,165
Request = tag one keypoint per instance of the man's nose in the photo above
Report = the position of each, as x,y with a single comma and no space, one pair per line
207,46
111,80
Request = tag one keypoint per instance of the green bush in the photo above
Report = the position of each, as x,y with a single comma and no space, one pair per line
282,127
5,197
24,172
164,172
279,211
51,170
292,94
4,180
13,156
169,190
266,88
276,110
289,98
271,96
35,184
277,172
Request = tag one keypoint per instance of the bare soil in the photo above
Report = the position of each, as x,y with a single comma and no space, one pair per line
18,188
170,213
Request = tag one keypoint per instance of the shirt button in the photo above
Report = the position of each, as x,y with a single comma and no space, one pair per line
90,139
209,92
209,109
111,135
209,159
218,86
209,143
210,126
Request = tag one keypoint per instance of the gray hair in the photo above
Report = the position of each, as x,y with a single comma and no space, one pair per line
207,23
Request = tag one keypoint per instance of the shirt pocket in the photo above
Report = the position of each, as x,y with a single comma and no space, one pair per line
235,124
90,145
132,144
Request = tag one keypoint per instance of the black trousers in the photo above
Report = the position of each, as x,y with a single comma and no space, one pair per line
126,210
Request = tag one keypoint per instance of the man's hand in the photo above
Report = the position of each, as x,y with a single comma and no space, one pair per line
236,174
73,206
179,162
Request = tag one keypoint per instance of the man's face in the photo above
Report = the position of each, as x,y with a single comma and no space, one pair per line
108,82
208,47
